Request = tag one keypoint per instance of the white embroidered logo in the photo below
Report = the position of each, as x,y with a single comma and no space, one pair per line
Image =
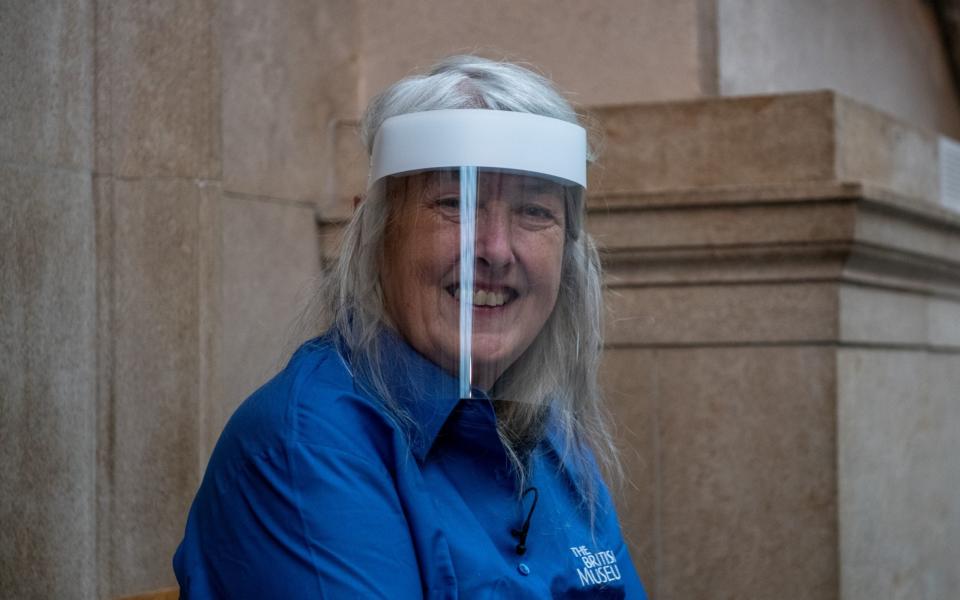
598,567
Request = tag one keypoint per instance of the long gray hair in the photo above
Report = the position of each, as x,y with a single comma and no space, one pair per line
556,376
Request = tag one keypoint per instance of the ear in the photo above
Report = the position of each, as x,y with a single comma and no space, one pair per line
357,200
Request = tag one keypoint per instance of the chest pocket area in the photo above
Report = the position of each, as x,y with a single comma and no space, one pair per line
596,574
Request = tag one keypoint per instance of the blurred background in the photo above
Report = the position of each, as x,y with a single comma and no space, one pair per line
777,199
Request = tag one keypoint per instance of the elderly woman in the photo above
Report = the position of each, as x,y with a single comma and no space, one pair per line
440,439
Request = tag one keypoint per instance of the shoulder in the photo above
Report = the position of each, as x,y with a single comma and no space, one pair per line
277,512
313,402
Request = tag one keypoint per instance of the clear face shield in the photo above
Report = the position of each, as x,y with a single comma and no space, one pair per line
482,205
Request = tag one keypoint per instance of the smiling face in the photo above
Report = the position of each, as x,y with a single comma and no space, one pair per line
519,254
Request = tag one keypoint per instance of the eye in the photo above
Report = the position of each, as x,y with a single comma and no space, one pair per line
448,203
537,215
536,211
447,206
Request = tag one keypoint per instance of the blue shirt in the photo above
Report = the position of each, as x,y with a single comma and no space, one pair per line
315,491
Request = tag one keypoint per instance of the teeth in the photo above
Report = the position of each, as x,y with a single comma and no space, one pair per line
485,298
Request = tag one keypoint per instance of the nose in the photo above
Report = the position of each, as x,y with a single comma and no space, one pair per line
494,244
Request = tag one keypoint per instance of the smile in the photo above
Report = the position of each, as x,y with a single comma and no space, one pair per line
487,298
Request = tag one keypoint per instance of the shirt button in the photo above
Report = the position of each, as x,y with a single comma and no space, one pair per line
523,568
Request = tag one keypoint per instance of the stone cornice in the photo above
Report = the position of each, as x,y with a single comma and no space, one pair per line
840,232
803,187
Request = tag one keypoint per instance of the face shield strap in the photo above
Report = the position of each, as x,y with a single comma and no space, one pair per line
468,231
494,139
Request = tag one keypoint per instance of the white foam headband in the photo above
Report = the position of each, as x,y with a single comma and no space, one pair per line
480,138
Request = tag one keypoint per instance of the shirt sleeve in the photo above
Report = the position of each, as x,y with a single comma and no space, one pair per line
303,521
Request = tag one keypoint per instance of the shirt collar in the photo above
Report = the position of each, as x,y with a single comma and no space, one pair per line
425,391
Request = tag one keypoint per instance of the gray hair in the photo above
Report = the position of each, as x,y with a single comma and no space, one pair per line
556,375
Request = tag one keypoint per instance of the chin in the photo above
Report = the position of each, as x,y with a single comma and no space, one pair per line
494,363
492,352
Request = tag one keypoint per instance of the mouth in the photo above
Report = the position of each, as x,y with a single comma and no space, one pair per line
486,298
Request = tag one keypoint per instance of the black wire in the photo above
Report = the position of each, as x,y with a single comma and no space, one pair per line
521,534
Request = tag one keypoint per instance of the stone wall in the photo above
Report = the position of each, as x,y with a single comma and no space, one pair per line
783,348
887,53
161,168
48,303
881,52
622,51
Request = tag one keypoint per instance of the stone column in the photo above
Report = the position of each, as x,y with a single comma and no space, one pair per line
783,348
157,188
48,302
214,145
161,166
289,72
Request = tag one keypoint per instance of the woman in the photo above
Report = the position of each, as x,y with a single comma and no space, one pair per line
438,439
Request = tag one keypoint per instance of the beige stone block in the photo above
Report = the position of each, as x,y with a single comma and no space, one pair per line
885,53
899,480
715,142
786,140
629,380
881,316
943,475
943,322
47,385
289,70
710,314
747,473
151,408
270,266
46,89
158,89
872,146
211,325
600,53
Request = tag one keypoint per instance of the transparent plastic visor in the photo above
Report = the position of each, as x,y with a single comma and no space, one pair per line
473,267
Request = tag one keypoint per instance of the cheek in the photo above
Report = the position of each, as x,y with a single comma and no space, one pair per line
396,274
420,264
553,265
546,275
435,254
